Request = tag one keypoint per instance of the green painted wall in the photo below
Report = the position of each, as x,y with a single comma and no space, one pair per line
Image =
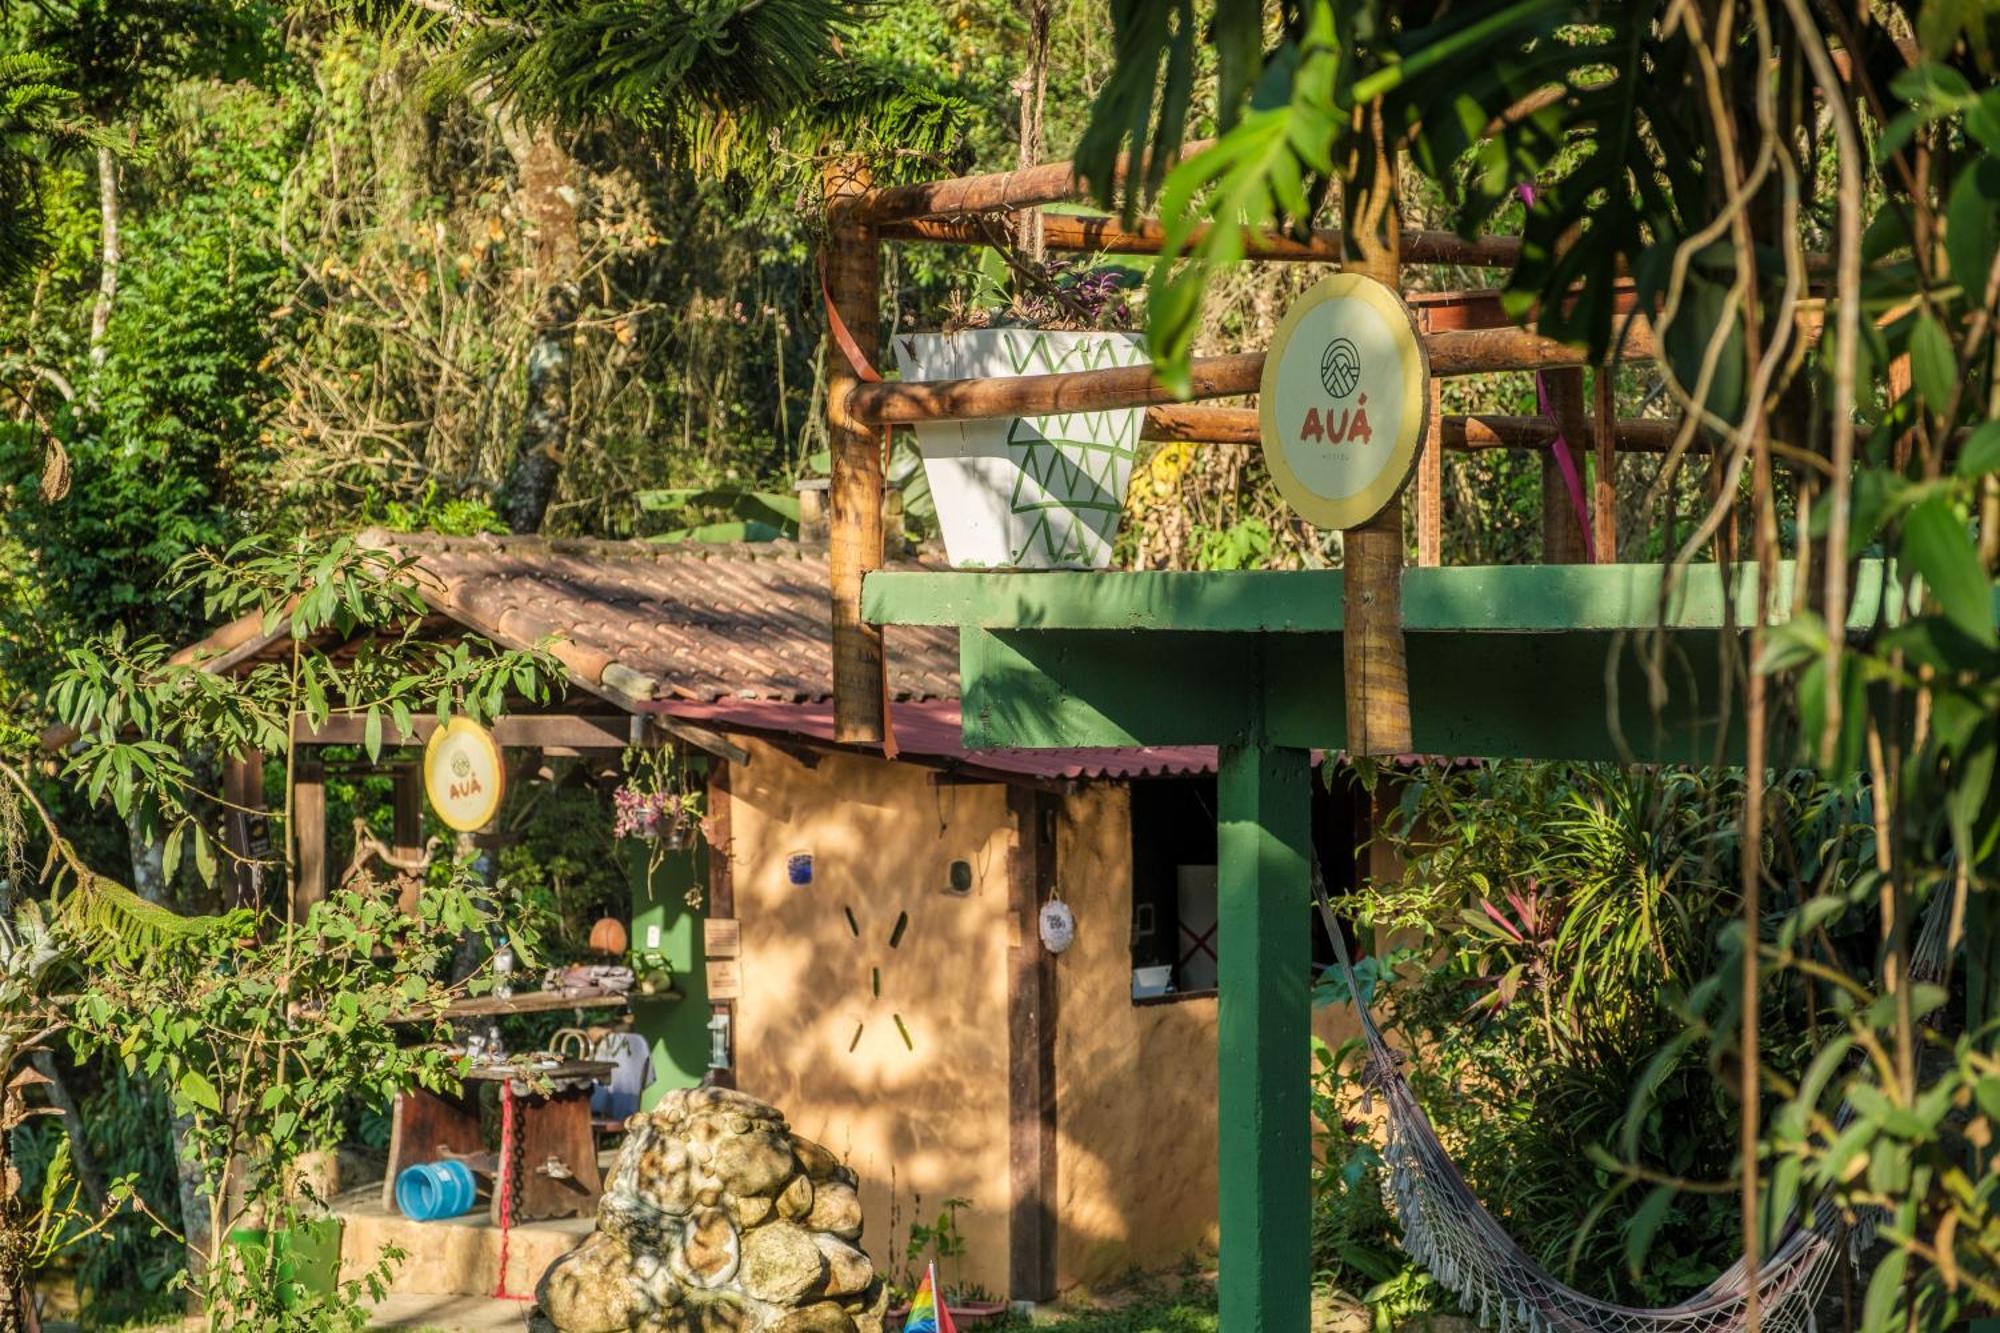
677,1028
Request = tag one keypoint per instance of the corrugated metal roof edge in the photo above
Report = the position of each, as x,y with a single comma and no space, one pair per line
929,732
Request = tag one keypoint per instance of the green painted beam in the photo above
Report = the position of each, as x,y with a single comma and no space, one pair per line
675,1028
1484,695
1528,599
1264,1022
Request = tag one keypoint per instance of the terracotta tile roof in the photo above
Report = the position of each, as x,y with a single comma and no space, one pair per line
642,623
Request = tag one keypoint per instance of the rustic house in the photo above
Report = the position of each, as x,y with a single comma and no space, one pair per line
885,980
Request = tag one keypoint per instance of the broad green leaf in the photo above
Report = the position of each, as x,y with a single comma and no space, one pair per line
1972,227
196,1090
1933,362
1937,545
1644,1225
1981,454
1879,1311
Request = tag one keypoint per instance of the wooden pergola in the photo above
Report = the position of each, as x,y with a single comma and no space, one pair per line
1517,661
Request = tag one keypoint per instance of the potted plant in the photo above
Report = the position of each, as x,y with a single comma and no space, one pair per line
1040,492
969,1305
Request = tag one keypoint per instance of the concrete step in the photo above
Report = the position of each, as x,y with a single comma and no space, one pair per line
455,1257
450,1314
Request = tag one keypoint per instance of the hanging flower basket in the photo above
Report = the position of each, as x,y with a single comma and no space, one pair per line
657,816
1026,492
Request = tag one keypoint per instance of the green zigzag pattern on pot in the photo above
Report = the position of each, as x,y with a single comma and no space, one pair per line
1093,354
1073,477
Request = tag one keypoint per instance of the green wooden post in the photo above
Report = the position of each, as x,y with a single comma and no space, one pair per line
677,1028
1265,1023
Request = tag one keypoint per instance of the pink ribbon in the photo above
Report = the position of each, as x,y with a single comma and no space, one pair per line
1572,476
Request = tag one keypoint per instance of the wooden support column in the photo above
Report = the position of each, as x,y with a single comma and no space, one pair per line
407,832
1604,437
721,895
1430,484
853,271
308,831
1562,531
246,829
1264,1027
1031,1048
1378,675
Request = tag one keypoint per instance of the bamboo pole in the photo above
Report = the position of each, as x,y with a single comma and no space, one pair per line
1462,352
853,278
1377,670
1109,236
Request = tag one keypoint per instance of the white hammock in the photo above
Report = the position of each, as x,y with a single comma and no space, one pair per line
1446,1229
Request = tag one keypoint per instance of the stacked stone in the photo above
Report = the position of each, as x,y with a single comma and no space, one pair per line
718,1217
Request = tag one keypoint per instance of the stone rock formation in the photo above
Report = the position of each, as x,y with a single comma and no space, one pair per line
717,1217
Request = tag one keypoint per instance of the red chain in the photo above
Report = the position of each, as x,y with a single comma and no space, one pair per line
505,1185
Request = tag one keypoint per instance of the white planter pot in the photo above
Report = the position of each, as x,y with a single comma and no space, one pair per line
1026,492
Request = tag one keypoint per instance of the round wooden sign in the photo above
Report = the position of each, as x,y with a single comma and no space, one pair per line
464,774
1344,401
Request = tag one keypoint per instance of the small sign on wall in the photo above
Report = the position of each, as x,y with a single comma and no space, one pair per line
722,937
464,774
725,979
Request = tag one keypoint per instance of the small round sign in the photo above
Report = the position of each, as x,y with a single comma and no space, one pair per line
1344,402
464,774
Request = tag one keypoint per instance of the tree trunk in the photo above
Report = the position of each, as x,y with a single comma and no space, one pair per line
149,861
82,1160
110,253
548,178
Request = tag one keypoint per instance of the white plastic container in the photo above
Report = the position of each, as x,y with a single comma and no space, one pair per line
1026,492
1150,981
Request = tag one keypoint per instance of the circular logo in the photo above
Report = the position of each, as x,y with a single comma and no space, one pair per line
1344,401
1340,367
464,774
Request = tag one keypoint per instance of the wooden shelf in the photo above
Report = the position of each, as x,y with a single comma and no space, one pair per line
536,1002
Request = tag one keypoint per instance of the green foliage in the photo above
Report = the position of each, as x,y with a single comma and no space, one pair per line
141,713
37,116
717,84
260,1041
1557,912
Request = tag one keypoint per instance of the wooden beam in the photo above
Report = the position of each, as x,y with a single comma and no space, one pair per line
721,893
852,271
1430,484
528,731
246,827
1463,352
1200,423
1051,183
407,831
532,731
1604,441
1563,540
1372,650
1147,237
1031,1037
309,832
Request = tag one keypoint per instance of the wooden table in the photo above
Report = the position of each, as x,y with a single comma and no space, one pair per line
554,1158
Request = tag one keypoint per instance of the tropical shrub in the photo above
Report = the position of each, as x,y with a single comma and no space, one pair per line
1548,923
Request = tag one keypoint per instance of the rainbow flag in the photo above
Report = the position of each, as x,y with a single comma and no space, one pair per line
927,1311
